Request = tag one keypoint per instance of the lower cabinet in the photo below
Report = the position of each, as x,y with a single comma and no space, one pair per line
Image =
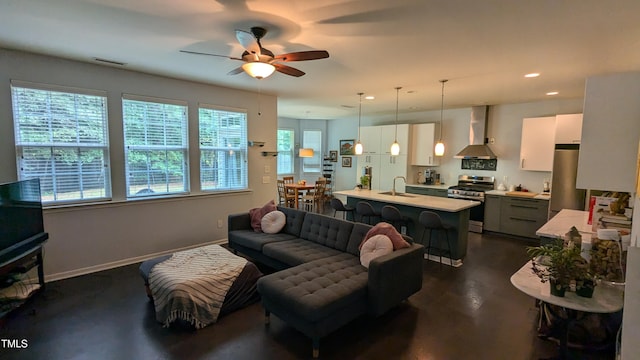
515,216
426,191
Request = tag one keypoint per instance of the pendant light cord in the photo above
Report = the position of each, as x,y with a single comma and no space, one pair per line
442,107
359,113
397,96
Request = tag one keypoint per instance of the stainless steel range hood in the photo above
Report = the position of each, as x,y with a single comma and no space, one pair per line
477,149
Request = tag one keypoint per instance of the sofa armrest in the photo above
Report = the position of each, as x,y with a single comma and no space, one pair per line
240,221
394,277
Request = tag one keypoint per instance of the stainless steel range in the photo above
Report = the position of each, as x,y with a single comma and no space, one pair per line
472,187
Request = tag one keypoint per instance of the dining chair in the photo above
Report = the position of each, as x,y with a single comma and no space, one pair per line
314,199
285,198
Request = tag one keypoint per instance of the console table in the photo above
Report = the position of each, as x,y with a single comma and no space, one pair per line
605,299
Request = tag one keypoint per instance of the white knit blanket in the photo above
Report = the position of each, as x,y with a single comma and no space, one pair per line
192,284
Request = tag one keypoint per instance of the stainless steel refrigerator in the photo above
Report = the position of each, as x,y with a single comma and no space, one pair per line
564,194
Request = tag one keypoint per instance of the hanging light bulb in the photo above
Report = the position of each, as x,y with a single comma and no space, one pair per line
395,147
359,148
439,150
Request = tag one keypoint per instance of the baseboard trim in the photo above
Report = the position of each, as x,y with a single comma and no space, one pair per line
124,262
445,260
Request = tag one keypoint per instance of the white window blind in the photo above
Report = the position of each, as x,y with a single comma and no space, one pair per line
61,138
312,139
286,149
223,148
156,146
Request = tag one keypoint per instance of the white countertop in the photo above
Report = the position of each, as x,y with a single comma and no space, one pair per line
560,224
546,196
415,200
439,187
606,299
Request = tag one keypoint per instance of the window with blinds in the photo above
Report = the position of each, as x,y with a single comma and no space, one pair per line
61,138
285,151
223,148
156,146
312,139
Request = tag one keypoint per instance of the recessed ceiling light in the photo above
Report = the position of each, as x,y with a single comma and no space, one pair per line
369,97
532,75
552,93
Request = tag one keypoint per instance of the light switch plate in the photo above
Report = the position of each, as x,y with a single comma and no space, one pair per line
266,179
267,169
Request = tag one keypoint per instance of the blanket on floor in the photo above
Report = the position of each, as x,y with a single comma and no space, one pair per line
192,284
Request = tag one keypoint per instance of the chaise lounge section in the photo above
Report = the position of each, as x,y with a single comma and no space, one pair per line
321,284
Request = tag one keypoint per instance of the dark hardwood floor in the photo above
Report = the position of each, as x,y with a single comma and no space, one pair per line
471,312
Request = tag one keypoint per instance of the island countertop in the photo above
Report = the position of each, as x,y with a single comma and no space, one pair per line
562,223
415,200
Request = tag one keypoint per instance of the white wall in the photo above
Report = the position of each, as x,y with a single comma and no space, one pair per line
93,237
504,124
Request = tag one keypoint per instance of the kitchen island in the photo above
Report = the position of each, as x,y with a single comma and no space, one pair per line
454,212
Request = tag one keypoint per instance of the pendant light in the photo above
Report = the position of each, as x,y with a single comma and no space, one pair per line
395,147
359,148
439,150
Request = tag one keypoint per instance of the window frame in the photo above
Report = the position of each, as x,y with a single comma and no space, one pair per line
169,150
290,151
59,149
225,155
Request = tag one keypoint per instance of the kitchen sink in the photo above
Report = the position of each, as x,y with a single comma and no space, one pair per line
397,194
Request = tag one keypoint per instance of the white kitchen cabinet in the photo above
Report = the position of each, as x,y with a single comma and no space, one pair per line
422,145
388,136
392,166
538,143
610,133
370,139
374,162
568,128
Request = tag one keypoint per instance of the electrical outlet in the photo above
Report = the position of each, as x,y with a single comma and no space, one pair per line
492,140
220,224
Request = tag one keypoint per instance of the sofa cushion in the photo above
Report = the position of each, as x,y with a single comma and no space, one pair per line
357,234
295,218
273,222
297,251
318,289
376,246
383,228
253,240
327,231
257,214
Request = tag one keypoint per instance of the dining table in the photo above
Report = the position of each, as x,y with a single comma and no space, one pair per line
296,190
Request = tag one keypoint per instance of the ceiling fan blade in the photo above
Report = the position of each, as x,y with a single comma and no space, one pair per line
303,55
236,71
248,41
288,70
201,53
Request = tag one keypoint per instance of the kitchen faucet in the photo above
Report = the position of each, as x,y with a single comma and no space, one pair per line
393,191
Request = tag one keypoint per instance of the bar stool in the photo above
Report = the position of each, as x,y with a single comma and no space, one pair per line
392,215
364,209
432,221
338,205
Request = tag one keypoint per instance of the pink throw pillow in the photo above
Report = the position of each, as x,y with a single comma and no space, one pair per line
383,228
256,215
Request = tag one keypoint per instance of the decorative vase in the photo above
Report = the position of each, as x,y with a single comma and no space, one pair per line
586,290
556,289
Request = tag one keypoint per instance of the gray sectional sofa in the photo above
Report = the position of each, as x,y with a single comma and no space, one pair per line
321,285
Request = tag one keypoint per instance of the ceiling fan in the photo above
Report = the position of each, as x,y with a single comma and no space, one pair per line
260,62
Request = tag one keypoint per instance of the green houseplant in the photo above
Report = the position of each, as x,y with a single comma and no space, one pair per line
560,265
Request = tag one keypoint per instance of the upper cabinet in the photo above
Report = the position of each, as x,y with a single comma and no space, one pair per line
568,128
610,133
537,144
370,138
422,145
388,136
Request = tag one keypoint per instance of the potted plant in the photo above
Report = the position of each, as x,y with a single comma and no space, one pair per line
560,265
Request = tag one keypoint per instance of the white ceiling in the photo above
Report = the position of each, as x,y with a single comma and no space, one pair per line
484,47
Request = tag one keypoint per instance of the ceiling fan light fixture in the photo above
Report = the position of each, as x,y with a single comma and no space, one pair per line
258,70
